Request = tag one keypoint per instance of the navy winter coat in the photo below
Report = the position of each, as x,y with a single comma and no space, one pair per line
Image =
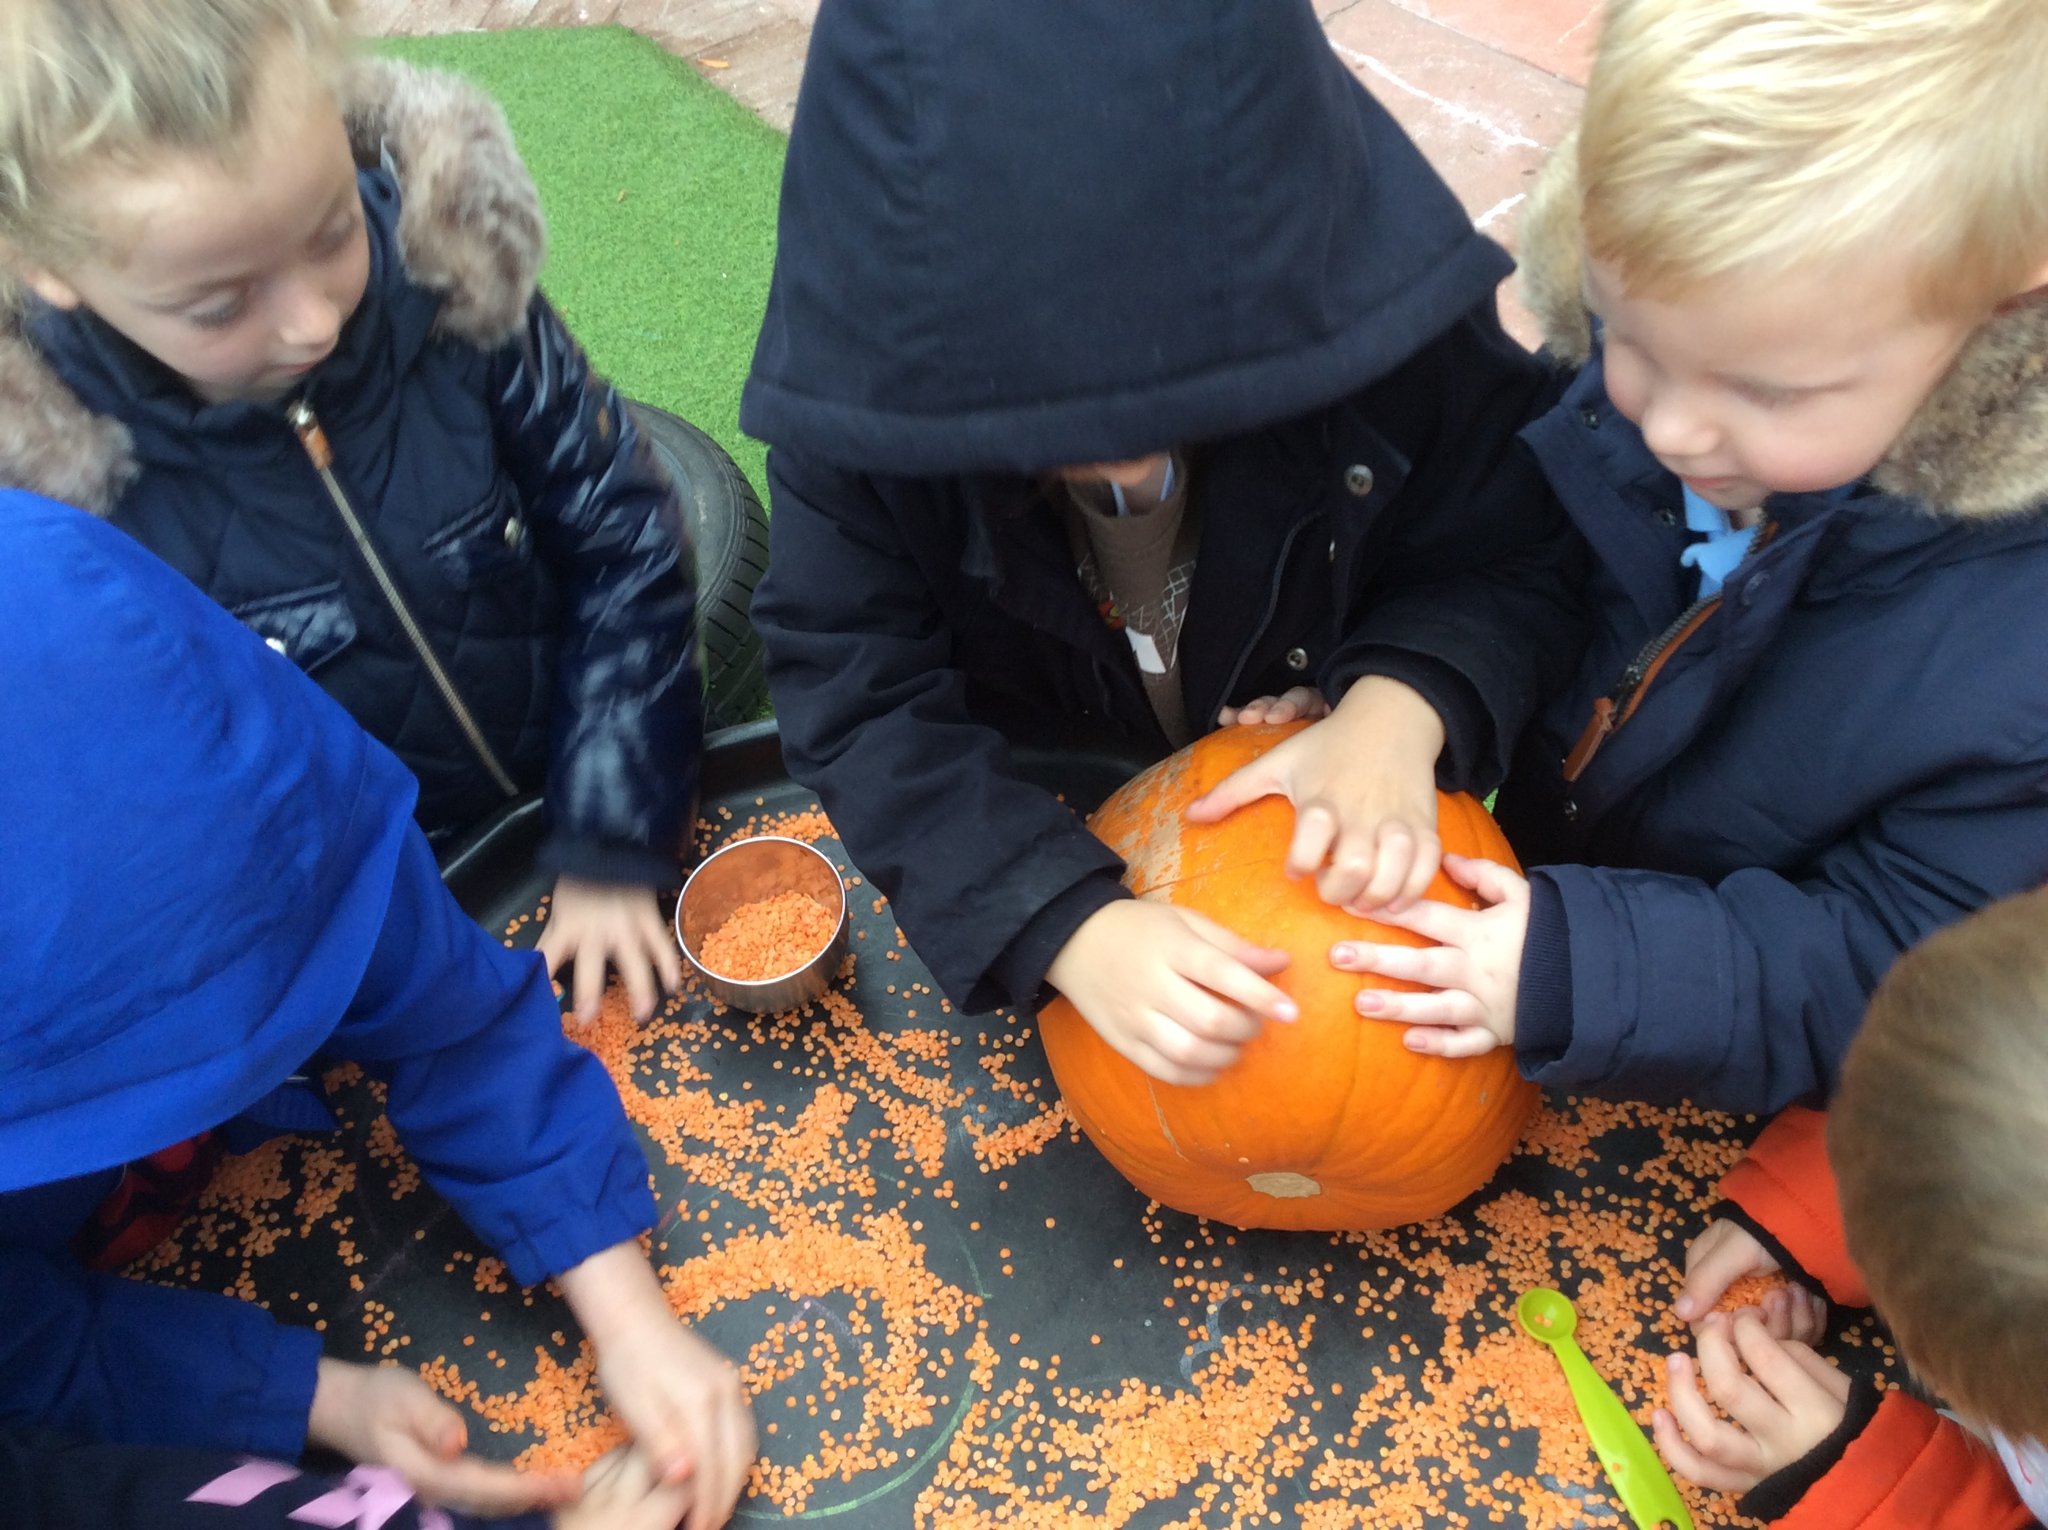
527,530
209,877
1017,237
1851,752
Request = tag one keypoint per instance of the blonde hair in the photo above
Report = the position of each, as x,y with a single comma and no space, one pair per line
85,83
1939,1139
1756,137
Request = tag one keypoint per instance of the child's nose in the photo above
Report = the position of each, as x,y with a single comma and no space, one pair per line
312,319
1673,426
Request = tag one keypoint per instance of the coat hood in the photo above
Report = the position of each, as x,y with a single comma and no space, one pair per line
469,231
1018,236
1978,446
199,853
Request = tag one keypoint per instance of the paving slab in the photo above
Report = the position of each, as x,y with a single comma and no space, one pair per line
1554,35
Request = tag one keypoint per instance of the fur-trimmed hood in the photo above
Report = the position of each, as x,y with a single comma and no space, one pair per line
1977,447
470,229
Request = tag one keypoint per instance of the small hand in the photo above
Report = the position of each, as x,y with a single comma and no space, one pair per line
1784,1400
1297,701
592,923
1363,785
382,1415
1722,1255
1474,968
621,1492
1174,992
683,1404
680,1400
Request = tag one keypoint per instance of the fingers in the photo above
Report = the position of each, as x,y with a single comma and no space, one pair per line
1263,960
658,935
589,983
1296,701
1723,1454
1246,784
1720,1256
1689,1463
1314,837
1827,1378
477,1486
555,946
1776,1365
1459,1041
1438,966
1490,881
1730,1380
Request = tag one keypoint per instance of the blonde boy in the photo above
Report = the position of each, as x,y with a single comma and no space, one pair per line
1798,248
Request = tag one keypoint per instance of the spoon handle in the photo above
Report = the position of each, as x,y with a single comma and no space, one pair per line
1625,1453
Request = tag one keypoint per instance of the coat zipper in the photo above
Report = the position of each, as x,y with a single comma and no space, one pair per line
306,425
1272,606
1610,712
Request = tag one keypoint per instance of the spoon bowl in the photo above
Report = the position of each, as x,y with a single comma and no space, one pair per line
1546,1316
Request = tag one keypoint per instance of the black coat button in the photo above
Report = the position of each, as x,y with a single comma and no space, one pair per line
1297,659
1358,480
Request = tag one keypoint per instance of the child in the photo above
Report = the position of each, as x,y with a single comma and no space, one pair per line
304,361
1116,373
1809,450
210,879
49,1483
1939,1146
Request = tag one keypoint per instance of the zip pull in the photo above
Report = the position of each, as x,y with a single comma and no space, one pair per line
306,425
1598,726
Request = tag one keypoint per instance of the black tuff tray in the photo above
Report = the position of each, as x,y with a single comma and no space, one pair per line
954,1312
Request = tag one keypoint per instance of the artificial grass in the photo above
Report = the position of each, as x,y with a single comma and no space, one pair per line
660,194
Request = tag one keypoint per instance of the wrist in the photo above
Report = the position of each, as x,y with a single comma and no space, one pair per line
613,1292
336,1387
1390,715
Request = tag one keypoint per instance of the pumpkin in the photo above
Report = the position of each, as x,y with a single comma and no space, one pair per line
1330,1122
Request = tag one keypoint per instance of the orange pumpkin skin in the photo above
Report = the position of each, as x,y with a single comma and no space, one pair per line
1328,1123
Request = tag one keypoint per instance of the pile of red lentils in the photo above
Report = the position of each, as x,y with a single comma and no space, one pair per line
827,1230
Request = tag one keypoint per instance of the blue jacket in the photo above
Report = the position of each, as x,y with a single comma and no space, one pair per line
528,531
1018,237
210,876
1851,752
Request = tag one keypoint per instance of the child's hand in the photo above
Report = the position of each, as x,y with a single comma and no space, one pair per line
1363,785
1724,1254
592,923
1784,1400
381,1415
620,1492
680,1400
1175,993
1474,967
1297,701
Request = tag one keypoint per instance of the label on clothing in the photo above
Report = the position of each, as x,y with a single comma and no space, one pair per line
1149,659
2027,1464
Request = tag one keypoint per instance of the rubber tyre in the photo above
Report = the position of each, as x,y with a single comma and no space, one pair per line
729,537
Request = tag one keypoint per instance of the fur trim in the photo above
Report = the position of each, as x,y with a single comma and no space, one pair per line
1977,447
470,228
1551,259
470,225
50,443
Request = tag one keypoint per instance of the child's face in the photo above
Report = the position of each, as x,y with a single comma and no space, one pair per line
1750,388
238,276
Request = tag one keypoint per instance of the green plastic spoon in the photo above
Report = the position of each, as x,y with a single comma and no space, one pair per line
1629,1459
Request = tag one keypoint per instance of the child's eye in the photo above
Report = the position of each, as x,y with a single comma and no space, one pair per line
335,236
217,315
1767,397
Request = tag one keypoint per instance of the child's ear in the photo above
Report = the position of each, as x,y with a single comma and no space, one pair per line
43,282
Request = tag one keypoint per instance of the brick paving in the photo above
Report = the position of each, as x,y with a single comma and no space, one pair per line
1486,87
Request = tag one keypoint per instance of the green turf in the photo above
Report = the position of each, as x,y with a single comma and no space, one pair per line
660,196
